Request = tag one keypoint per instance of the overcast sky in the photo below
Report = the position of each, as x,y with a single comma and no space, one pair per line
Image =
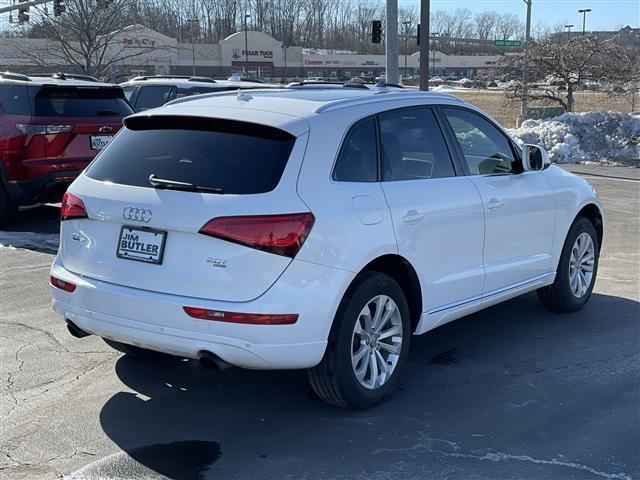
605,15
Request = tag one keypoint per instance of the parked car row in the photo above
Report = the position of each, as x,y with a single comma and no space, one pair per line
52,125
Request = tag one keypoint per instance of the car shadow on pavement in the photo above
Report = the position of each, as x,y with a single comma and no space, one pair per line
34,228
513,391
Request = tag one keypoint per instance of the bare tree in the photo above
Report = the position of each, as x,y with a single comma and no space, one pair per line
485,24
508,26
582,59
86,37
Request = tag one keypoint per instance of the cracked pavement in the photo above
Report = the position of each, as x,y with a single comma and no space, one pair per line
510,392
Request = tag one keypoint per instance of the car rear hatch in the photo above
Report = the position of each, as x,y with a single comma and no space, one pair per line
222,222
78,121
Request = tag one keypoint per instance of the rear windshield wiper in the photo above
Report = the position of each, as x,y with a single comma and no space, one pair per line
175,185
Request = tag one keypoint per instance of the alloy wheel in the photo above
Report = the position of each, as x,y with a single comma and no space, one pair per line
376,342
581,265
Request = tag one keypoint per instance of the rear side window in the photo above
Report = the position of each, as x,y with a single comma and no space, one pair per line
358,159
413,147
237,157
128,91
81,102
14,99
153,96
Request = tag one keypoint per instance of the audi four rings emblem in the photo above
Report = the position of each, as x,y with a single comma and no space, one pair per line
137,214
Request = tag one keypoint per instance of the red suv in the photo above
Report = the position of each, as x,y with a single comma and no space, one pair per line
51,127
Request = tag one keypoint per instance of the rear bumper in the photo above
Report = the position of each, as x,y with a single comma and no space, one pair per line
158,322
45,188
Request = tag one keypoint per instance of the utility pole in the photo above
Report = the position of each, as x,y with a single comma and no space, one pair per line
424,44
392,41
584,12
406,44
524,110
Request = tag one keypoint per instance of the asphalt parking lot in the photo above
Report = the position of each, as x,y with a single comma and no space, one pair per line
513,392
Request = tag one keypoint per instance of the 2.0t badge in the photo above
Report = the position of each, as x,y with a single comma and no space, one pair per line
137,214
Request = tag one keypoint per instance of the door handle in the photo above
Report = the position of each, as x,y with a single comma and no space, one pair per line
412,216
494,204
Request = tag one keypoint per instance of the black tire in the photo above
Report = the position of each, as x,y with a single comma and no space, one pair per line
334,379
8,209
131,350
558,296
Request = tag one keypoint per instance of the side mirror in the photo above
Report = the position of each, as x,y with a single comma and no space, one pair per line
534,158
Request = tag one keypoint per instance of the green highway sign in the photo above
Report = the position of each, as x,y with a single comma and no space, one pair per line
507,43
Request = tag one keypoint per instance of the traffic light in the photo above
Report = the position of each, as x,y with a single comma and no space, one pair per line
58,7
418,36
23,16
376,31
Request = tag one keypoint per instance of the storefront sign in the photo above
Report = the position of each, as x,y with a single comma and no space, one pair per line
138,42
238,53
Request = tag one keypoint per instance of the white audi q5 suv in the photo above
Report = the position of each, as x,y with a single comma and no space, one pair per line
317,229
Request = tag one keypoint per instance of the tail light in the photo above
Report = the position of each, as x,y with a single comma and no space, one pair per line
28,131
279,234
62,285
248,318
72,207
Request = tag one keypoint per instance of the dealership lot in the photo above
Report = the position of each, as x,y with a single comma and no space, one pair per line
510,392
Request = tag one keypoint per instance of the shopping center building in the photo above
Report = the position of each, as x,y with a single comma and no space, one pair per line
139,50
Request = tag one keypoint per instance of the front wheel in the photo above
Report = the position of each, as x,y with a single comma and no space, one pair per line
577,269
367,346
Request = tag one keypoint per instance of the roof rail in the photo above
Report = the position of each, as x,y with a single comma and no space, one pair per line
189,78
15,76
201,79
65,76
319,83
388,96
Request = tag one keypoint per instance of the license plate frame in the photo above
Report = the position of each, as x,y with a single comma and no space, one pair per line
94,138
139,256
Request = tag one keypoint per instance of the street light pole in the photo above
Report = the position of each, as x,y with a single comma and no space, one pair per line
192,23
246,44
424,44
584,12
433,55
568,27
284,77
406,43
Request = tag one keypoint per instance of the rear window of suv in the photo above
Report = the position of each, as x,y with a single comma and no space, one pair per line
236,157
81,102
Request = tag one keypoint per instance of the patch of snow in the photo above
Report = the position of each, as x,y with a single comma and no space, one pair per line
44,242
600,137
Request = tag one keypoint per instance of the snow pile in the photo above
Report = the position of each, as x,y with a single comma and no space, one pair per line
589,136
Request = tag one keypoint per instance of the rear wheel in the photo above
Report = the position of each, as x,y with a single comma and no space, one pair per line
576,272
8,209
367,346
127,349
